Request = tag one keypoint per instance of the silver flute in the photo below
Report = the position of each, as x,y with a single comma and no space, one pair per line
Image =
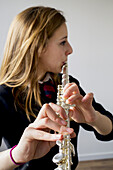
63,159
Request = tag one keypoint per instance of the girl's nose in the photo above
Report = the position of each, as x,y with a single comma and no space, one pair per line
69,49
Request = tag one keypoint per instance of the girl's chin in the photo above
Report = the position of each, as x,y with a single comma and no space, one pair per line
59,70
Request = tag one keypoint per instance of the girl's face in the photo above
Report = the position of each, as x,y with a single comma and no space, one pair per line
55,53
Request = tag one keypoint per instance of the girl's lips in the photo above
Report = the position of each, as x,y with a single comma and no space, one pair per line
64,63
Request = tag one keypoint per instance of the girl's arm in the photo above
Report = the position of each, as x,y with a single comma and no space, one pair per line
84,112
36,140
6,162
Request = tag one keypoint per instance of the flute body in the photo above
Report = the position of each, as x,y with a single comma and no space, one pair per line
63,159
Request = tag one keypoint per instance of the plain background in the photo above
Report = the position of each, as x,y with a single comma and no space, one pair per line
90,27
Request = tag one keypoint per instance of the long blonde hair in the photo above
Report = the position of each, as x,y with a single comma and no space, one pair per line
27,37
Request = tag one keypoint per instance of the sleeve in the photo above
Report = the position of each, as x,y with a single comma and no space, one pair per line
98,107
1,119
0,134
3,110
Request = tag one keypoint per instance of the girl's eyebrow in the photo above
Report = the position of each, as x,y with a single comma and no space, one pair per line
63,38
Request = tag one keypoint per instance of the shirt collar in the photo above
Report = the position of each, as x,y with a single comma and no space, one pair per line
47,77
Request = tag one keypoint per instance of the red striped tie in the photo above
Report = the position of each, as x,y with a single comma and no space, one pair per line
49,89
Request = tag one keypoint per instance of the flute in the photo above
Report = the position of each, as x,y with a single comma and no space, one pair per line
63,159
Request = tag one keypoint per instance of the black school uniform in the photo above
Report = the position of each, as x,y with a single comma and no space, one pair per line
13,121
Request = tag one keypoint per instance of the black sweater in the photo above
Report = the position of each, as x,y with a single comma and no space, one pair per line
13,122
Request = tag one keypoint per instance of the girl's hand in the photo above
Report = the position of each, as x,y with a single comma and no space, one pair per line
37,140
83,112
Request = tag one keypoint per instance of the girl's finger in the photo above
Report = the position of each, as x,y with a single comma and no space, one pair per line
67,86
74,99
65,130
88,98
59,110
42,135
73,135
47,123
72,89
47,111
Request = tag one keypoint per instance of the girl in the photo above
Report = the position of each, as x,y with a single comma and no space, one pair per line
36,49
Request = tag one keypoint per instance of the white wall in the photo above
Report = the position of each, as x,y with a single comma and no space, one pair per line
90,24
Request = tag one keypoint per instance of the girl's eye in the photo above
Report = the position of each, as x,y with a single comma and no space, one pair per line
63,43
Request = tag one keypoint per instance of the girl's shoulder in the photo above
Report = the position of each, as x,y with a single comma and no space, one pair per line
5,91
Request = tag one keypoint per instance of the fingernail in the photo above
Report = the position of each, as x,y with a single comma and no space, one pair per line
70,130
65,116
63,122
65,97
68,101
59,136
